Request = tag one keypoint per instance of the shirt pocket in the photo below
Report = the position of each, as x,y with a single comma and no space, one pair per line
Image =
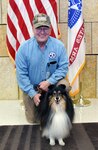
52,66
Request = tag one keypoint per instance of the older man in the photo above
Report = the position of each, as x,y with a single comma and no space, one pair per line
41,60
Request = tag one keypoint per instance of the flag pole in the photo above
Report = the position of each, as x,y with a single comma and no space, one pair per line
81,101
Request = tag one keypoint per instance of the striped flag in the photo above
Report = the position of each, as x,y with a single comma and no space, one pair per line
76,44
19,20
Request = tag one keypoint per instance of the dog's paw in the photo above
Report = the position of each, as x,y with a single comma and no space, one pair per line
52,142
61,142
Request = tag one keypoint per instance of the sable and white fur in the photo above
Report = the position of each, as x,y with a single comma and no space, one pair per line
56,114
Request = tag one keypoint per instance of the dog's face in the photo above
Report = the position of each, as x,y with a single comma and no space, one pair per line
57,98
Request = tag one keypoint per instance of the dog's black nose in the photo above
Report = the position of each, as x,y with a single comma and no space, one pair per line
57,99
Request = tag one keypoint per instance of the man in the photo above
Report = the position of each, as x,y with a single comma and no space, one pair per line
41,60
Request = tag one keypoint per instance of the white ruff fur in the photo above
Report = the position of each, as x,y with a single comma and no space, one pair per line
60,126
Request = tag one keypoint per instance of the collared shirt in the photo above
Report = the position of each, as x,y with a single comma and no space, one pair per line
34,65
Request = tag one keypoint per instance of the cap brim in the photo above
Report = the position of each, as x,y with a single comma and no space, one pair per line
41,24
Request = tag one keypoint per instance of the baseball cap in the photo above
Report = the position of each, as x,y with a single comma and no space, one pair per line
41,20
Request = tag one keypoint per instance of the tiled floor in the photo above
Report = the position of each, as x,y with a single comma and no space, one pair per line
12,113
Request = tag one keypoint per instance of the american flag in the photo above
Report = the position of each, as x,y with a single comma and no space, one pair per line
19,20
76,43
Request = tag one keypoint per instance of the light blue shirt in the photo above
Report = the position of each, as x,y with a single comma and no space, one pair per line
34,65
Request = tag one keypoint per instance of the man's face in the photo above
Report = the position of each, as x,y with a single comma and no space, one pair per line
42,33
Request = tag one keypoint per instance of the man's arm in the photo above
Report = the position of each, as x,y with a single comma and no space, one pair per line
22,73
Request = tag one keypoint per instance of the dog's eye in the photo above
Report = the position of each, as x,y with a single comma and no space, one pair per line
59,92
54,92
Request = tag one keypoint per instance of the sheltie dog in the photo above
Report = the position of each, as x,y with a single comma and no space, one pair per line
56,114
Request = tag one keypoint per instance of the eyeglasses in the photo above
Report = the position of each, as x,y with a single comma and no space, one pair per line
42,29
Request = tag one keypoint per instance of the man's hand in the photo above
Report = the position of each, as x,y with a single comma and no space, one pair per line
44,85
36,99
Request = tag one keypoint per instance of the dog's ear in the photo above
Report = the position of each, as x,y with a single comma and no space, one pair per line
62,86
51,87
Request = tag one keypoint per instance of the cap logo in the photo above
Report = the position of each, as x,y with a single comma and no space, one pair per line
41,19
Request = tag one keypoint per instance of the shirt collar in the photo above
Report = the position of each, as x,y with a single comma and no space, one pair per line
46,42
